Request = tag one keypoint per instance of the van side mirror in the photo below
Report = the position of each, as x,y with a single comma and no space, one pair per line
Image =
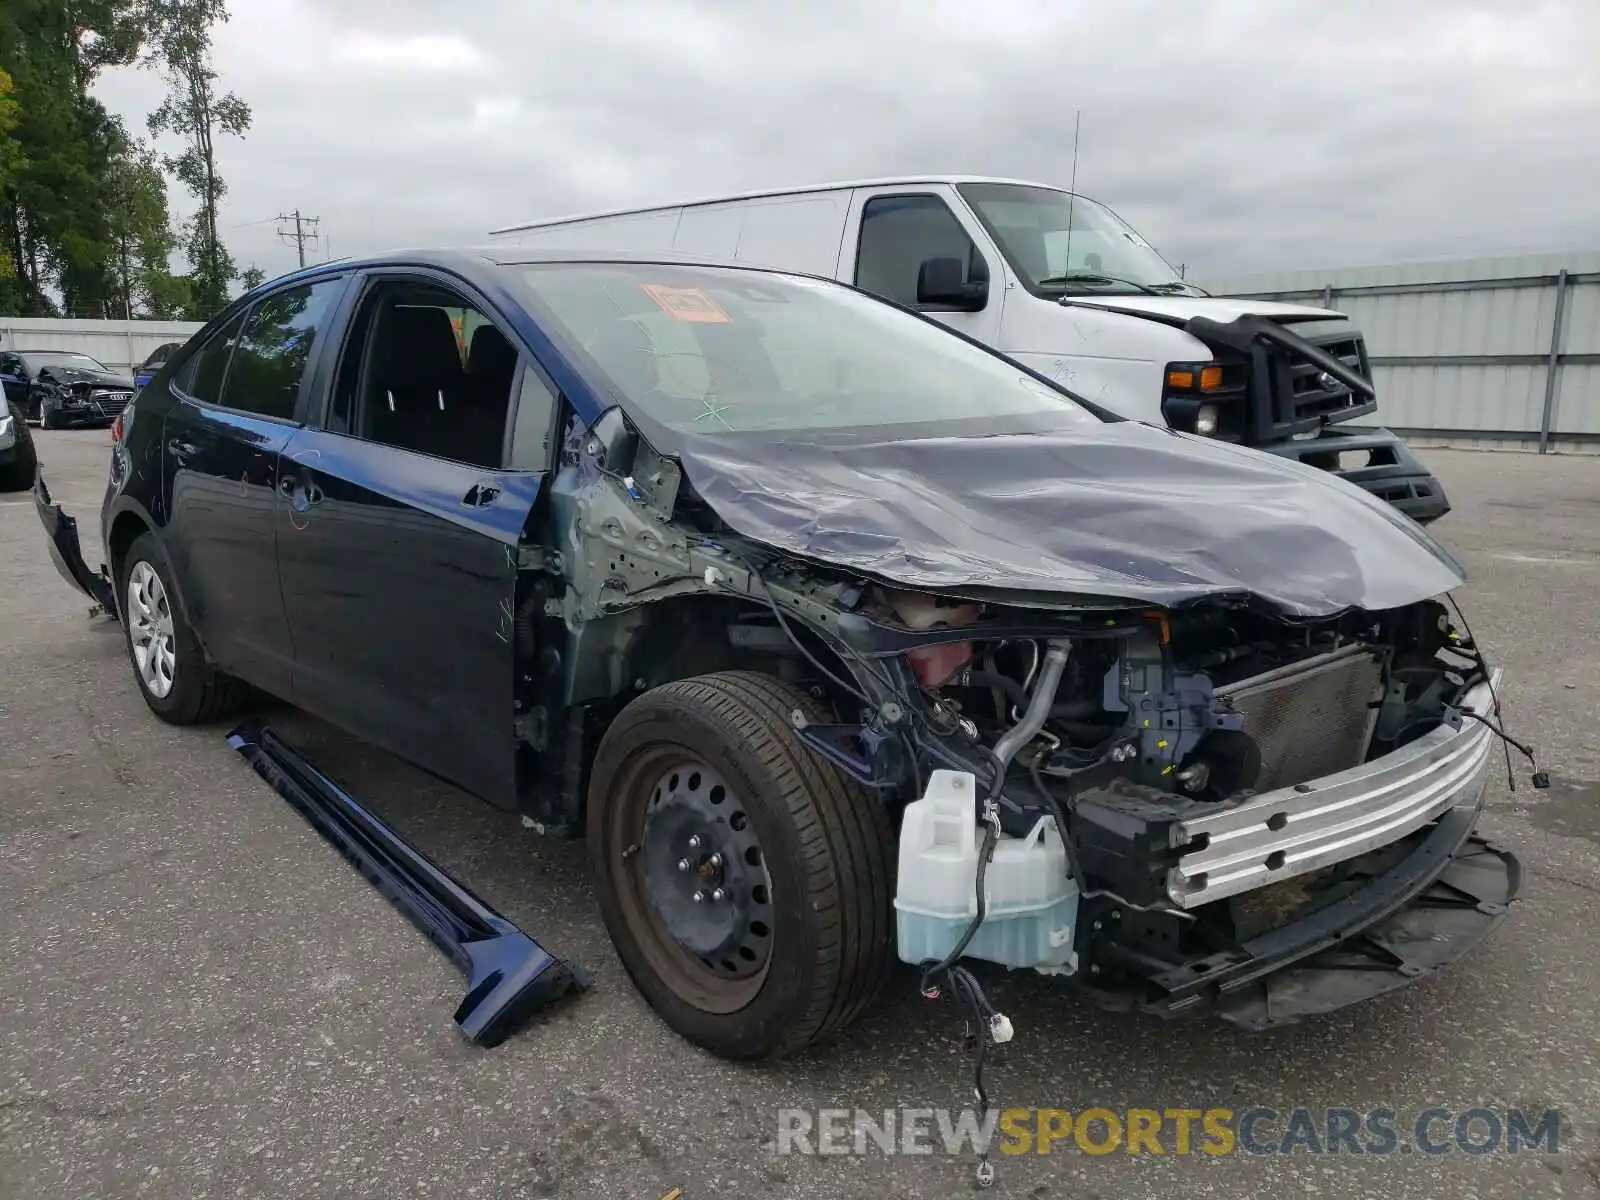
942,284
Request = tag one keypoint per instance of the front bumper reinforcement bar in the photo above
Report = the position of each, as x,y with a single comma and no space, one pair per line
509,975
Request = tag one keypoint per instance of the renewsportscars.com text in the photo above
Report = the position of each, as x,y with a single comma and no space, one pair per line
1175,1131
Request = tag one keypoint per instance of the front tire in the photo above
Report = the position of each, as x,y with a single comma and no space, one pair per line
791,937
168,665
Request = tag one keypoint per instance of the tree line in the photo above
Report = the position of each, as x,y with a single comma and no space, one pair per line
84,225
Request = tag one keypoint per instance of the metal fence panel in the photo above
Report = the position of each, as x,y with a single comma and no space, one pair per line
121,345
1493,347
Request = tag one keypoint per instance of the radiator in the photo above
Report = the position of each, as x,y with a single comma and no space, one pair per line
1312,718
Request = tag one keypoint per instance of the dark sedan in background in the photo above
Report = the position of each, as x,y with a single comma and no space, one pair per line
57,388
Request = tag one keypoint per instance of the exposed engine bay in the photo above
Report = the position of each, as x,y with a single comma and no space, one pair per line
1086,784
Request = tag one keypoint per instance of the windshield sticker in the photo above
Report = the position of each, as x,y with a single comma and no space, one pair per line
687,304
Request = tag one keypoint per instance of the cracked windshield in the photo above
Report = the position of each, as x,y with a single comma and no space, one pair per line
708,350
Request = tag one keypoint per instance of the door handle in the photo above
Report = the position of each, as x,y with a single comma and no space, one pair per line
481,494
300,493
181,450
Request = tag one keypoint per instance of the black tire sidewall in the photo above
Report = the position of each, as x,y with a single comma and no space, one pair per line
190,669
765,1025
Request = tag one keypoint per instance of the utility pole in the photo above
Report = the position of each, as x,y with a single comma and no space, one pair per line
305,230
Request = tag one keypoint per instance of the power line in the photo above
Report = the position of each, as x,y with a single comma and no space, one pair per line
305,230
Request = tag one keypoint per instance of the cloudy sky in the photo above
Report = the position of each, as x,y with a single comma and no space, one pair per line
1236,135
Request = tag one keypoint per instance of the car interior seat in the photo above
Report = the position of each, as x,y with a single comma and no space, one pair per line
417,381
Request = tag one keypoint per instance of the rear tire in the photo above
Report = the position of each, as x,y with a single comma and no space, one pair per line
17,475
816,857
155,630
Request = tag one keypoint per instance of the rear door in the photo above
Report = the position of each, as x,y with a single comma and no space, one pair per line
399,521
234,408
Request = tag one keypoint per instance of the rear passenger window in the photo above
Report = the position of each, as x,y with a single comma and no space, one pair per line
203,375
899,233
270,358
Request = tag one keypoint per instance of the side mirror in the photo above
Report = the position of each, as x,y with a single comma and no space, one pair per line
942,283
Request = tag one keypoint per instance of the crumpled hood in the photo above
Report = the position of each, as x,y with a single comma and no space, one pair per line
71,376
1118,510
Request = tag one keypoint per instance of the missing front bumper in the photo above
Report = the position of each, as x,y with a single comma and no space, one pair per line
1425,912
1291,831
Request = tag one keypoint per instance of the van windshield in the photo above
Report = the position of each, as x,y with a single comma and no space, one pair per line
725,350
1060,243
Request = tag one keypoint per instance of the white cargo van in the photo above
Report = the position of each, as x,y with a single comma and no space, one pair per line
1062,284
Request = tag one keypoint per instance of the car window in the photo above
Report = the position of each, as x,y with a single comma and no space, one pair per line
426,370
202,376
10,364
898,234
530,438
271,356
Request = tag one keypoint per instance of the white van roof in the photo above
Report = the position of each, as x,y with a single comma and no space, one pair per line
842,185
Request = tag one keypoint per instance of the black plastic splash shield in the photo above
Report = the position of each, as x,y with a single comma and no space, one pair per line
509,975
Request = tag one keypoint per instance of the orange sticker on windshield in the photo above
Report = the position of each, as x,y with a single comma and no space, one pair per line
687,304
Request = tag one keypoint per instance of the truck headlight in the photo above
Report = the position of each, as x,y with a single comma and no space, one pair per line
6,424
1206,398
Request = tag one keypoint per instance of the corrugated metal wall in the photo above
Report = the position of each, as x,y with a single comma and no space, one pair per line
121,345
1471,347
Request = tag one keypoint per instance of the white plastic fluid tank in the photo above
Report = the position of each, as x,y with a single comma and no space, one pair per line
1031,900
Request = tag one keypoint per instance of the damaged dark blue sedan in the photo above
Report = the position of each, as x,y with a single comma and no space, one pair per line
839,636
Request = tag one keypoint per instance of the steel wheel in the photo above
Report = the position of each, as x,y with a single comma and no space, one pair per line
150,630
699,883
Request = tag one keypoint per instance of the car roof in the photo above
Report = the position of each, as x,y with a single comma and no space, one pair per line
471,260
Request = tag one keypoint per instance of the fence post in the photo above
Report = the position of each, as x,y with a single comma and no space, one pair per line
1552,370
1327,295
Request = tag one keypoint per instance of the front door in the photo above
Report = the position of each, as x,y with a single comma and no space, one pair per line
399,522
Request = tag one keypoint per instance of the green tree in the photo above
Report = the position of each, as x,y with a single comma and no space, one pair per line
252,277
143,237
53,186
11,163
180,38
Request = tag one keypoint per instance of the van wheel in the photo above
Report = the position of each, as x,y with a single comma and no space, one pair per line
173,676
746,882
